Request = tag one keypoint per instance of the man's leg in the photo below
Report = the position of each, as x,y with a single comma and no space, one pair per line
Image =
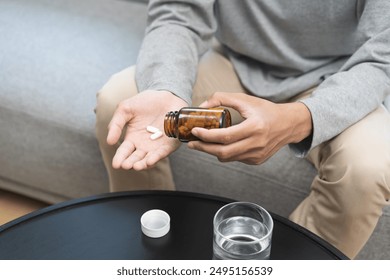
215,74
352,186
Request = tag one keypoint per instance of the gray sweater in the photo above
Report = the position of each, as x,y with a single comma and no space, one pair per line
279,48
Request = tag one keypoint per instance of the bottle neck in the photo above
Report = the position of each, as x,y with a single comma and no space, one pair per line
170,123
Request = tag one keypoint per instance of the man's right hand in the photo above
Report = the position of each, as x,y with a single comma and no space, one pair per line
132,116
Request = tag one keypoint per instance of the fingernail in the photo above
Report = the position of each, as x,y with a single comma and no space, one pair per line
194,131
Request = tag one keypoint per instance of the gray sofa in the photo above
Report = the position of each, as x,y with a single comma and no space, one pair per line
54,57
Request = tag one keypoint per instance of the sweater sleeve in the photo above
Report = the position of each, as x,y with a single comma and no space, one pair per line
359,87
177,34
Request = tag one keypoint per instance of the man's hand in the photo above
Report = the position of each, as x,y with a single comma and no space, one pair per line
133,115
267,127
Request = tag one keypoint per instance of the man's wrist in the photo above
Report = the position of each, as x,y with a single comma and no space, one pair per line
301,121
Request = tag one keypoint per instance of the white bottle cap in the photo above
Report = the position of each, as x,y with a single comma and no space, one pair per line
155,223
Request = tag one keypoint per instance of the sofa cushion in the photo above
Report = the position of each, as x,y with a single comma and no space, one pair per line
54,57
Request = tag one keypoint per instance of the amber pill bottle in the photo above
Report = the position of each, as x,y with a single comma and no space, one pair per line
178,124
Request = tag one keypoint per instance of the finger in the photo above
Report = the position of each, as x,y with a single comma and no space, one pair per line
136,156
224,153
153,157
123,152
140,165
226,99
204,104
258,156
149,161
224,135
234,152
117,123
210,148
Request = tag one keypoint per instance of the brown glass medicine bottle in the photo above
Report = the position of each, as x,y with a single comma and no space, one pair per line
178,124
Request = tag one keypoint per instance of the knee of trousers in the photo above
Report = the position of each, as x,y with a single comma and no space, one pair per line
105,107
360,177
119,87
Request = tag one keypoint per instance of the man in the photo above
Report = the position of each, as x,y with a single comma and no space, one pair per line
308,74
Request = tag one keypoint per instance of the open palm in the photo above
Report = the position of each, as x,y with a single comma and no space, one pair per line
132,116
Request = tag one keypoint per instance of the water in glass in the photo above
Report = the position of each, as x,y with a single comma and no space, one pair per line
241,237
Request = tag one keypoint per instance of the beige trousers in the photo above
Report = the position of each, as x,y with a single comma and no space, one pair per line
347,195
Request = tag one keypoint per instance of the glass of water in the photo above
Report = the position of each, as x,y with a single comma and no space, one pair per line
242,231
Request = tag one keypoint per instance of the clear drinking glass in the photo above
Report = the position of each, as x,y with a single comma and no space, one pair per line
242,231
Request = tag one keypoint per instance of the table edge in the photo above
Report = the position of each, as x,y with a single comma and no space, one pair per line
103,196
73,202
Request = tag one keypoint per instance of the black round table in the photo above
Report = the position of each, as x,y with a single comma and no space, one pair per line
108,227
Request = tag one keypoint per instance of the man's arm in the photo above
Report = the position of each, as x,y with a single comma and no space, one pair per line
178,32
360,86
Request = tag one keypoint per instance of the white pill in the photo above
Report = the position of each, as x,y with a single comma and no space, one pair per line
156,135
152,129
